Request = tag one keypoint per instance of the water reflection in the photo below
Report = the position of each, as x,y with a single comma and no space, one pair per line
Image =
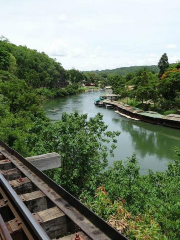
150,139
153,144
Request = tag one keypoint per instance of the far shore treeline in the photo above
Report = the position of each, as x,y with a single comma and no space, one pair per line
140,206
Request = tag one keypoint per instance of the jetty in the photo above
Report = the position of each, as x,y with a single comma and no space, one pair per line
107,97
171,120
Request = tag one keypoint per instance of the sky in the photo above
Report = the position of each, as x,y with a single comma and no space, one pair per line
95,34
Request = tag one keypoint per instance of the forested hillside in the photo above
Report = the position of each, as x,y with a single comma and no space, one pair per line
46,76
125,70
37,69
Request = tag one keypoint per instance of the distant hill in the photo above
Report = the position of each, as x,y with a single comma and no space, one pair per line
125,70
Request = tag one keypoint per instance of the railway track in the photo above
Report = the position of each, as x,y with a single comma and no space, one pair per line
32,206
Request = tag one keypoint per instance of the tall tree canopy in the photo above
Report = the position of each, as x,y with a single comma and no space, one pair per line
37,69
170,83
163,64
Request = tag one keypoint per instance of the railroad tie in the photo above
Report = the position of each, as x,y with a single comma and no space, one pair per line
5,164
33,207
11,174
22,185
54,222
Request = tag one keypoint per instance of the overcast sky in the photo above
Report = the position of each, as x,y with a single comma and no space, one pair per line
95,34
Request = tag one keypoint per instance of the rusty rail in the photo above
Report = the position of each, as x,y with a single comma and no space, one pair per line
4,233
75,213
24,213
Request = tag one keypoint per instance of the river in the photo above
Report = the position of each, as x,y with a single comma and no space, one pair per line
154,145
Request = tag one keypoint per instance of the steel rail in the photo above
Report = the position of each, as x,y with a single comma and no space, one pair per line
4,231
12,196
66,197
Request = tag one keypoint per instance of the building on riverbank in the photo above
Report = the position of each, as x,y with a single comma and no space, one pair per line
111,97
171,120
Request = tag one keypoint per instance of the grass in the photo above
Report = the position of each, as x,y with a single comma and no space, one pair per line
87,88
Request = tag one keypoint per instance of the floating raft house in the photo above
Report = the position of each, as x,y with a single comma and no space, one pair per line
112,97
171,120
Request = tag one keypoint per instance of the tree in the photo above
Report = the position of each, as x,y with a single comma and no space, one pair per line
82,146
117,84
170,84
37,69
12,64
145,85
163,64
75,76
4,60
19,96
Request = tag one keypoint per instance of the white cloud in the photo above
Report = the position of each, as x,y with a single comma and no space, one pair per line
78,53
97,53
171,46
151,59
174,59
57,48
95,34
62,18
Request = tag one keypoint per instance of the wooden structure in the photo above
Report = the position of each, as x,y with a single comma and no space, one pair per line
33,207
45,161
111,97
171,120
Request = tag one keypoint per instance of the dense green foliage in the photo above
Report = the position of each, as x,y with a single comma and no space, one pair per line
143,87
125,70
20,112
148,91
170,83
83,150
37,69
148,204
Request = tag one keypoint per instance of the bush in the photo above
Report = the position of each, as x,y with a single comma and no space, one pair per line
169,112
45,93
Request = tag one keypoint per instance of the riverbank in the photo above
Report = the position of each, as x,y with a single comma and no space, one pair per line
149,141
72,89
171,120
46,93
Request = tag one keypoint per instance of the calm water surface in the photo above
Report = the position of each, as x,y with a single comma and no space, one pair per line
153,144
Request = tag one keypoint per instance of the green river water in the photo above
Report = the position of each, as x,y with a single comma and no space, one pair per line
154,145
